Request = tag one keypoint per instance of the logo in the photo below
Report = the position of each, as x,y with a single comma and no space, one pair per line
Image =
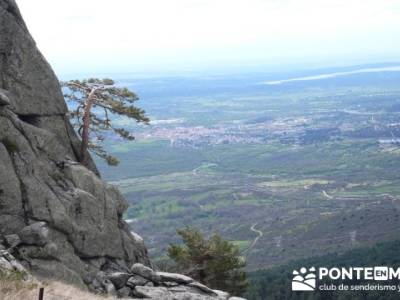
345,279
304,280
381,273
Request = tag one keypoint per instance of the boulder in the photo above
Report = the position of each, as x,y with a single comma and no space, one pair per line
35,234
145,272
178,278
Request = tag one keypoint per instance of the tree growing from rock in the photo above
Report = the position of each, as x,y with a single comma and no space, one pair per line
94,104
214,262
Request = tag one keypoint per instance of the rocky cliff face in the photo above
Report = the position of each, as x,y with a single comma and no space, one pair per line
58,219
68,221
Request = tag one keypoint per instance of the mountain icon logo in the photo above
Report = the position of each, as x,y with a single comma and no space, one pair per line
305,280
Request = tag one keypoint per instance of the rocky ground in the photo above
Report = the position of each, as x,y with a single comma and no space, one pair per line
137,282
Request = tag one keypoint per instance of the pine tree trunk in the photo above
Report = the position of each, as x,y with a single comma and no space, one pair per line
85,129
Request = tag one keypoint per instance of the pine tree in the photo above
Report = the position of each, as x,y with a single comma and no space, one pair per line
214,262
95,102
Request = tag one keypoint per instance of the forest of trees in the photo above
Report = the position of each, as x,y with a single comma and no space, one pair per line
275,284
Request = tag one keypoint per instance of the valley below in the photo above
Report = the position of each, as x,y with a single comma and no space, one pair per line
287,171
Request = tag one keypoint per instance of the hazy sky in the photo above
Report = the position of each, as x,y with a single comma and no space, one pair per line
145,35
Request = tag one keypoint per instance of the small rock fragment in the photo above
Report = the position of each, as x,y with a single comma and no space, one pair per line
149,284
124,292
12,240
136,280
119,279
110,289
4,100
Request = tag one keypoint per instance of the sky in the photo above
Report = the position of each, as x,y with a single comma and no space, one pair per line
182,35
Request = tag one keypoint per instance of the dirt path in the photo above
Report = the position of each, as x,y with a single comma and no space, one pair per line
203,166
259,234
326,195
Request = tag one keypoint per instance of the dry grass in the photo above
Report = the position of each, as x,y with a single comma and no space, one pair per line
14,288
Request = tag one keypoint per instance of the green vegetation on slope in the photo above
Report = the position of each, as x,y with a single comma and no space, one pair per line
214,262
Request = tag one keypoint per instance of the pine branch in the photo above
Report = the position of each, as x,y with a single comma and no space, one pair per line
101,93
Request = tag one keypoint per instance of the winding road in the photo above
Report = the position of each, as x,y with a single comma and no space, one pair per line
259,234
326,194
